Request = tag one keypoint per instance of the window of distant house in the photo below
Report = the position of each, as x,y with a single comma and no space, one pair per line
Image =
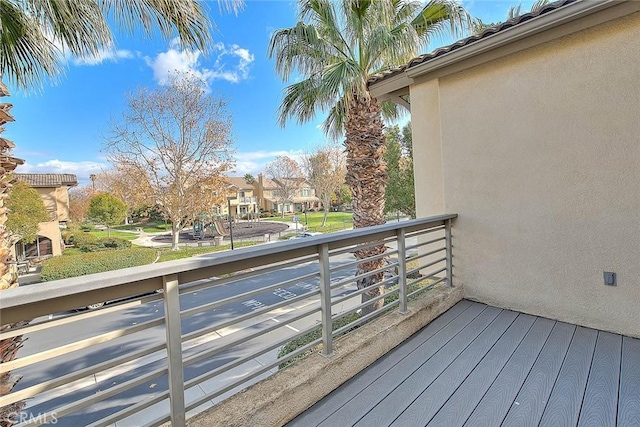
41,247
306,192
241,194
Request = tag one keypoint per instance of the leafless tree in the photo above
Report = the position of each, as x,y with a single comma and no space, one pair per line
175,141
325,169
285,174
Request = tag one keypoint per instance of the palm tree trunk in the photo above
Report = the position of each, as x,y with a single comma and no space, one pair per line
367,177
8,273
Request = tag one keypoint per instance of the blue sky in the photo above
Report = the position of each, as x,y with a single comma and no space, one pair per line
60,129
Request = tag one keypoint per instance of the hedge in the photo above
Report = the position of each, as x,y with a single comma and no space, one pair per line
105,244
62,267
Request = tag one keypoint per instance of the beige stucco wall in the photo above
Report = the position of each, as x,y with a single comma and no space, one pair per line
52,231
540,156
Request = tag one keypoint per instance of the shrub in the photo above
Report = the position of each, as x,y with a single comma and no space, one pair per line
80,238
105,244
62,267
87,227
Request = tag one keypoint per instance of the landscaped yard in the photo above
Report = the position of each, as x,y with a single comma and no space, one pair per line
117,234
336,221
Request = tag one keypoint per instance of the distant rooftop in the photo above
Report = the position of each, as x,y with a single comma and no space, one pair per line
48,179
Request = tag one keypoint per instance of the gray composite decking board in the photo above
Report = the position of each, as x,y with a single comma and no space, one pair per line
497,400
599,407
460,405
403,369
629,397
528,406
343,394
399,397
427,404
565,401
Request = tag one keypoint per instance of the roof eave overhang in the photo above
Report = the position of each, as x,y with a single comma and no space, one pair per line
394,85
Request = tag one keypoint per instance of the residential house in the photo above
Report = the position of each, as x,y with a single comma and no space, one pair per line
54,190
244,199
530,131
303,195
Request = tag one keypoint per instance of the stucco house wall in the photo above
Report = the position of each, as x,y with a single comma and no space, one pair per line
539,154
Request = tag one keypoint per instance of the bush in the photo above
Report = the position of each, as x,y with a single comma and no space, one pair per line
105,244
62,267
79,238
87,227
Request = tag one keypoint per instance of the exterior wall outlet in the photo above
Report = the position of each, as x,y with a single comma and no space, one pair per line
610,278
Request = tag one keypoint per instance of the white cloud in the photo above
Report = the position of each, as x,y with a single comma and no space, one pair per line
232,63
112,54
81,169
254,162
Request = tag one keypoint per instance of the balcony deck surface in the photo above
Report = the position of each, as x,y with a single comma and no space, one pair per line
479,365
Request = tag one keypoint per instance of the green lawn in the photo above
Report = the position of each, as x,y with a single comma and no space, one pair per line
147,228
114,233
187,252
336,221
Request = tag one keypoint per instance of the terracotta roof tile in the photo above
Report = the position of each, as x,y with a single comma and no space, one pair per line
469,40
48,179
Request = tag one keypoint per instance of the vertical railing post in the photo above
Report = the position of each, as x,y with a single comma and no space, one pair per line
447,232
174,349
325,301
402,271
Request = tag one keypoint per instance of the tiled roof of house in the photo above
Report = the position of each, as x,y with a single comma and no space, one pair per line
48,179
239,182
504,26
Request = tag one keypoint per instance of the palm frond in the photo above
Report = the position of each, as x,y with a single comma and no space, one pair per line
186,18
333,125
439,15
27,57
303,99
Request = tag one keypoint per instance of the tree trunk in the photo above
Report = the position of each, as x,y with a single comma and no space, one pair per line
8,279
367,177
175,236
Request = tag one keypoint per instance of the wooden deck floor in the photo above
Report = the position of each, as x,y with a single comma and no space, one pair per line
478,365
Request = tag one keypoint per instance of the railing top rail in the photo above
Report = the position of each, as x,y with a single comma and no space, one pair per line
149,277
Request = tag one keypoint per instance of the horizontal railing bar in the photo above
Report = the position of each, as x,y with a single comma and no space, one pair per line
219,281
243,339
422,267
251,315
230,365
83,373
77,345
419,245
240,297
25,303
364,304
229,387
426,277
366,318
426,254
426,288
423,231
361,246
82,403
360,261
355,278
130,410
35,327
363,290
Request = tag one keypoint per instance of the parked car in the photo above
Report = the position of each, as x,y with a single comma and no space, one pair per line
306,234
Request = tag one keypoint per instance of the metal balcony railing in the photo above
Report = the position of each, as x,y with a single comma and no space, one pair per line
152,357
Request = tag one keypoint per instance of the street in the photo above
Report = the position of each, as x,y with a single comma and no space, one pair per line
59,366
